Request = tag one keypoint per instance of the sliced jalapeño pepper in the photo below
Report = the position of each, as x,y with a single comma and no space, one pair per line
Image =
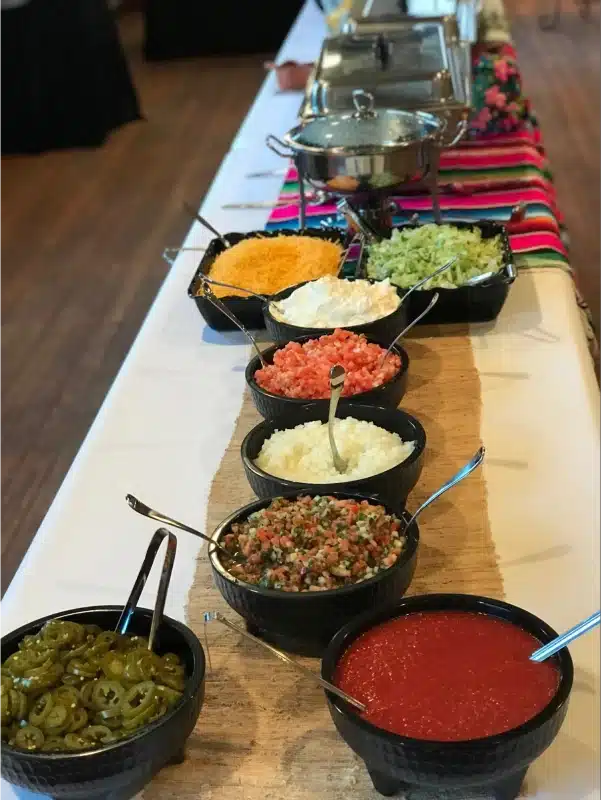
29,738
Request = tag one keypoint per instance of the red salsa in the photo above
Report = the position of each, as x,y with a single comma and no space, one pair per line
447,676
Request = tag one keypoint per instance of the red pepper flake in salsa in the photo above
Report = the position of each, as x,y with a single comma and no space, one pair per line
314,543
303,370
447,676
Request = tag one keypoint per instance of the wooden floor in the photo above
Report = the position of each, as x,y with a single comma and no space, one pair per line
82,237
83,232
561,72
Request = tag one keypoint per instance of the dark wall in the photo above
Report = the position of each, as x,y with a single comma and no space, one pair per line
187,28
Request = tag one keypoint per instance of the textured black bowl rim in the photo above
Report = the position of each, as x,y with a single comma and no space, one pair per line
322,488
440,602
192,682
505,275
329,233
316,332
254,364
408,552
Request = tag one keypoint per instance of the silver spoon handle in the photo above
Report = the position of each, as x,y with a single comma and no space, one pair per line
213,282
407,328
145,511
337,375
436,272
459,476
564,640
205,223
140,582
210,616
225,310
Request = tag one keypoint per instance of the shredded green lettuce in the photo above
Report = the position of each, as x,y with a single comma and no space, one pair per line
413,253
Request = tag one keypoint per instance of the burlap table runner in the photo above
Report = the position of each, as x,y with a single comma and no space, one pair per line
264,732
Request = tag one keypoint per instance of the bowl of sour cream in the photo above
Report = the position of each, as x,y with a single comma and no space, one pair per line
321,306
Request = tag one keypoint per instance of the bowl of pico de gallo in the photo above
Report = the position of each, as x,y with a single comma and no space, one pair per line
303,565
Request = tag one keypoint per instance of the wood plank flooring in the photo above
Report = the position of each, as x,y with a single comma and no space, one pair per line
83,233
82,237
561,71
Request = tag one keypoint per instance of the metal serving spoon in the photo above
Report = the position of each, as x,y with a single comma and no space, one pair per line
337,375
262,297
146,511
318,198
134,596
429,277
407,328
478,279
212,616
205,223
564,640
471,465
230,315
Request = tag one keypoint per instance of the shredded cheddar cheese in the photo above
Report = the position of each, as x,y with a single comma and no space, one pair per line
268,265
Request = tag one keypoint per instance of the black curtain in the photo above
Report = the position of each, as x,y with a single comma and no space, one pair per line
65,78
188,28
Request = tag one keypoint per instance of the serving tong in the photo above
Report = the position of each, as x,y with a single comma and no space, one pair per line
159,605
215,616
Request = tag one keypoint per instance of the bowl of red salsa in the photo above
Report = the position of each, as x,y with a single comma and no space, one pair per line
297,373
452,699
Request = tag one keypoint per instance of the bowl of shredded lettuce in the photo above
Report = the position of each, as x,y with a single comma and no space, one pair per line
412,253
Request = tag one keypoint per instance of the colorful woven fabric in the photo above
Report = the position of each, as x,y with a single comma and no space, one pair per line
486,177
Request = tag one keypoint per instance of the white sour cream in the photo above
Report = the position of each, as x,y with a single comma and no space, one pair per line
337,303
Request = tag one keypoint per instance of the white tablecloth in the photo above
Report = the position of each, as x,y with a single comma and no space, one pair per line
170,413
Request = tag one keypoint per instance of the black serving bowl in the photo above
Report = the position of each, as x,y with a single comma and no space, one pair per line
492,766
465,303
120,770
269,405
304,622
392,486
249,310
384,329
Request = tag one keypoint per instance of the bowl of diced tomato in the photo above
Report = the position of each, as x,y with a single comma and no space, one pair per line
297,373
304,565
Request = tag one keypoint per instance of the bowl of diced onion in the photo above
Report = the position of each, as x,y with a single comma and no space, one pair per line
384,448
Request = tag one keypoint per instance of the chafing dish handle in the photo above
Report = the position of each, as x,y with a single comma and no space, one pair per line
273,143
461,130
382,48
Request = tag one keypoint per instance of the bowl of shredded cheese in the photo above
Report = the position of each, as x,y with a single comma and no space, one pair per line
265,262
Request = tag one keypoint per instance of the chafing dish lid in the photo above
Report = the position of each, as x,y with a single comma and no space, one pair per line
417,49
366,127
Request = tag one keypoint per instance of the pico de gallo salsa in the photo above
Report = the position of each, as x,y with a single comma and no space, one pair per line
313,544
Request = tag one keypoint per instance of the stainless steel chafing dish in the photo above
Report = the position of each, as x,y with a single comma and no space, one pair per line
368,150
415,65
464,11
